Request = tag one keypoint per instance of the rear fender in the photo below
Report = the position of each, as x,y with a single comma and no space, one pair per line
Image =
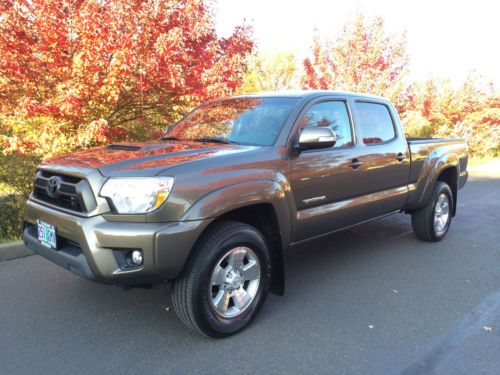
437,162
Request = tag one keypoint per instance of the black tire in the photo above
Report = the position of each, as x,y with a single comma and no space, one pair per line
192,292
422,220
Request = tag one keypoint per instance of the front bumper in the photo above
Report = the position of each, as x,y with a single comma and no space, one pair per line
89,246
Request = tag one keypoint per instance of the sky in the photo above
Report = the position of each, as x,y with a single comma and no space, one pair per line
445,38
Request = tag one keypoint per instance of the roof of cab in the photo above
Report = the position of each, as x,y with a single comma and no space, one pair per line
301,94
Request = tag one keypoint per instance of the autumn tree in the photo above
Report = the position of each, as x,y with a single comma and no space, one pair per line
270,72
82,60
363,58
443,108
80,73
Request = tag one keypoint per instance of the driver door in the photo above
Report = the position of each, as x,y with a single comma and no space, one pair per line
323,179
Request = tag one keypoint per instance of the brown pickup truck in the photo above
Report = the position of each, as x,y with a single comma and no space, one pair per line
213,205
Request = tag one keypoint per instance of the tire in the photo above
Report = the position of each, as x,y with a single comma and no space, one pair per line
208,296
432,222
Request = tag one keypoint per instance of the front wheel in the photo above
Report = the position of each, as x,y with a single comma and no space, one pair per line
431,222
224,283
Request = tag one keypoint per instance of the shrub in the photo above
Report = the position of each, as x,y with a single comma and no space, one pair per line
480,129
16,178
416,125
24,142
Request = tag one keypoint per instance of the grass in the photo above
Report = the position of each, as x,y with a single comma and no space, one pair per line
479,160
485,167
7,240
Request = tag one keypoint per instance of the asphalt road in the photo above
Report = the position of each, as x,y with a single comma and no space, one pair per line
370,300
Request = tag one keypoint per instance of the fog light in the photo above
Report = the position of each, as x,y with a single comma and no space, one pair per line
136,257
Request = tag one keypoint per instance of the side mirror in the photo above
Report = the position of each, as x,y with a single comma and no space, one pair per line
313,137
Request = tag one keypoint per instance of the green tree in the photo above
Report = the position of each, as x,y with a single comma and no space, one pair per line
270,72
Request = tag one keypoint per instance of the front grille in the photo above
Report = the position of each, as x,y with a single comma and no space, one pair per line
73,193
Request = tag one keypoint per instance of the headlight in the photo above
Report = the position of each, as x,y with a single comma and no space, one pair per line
137,195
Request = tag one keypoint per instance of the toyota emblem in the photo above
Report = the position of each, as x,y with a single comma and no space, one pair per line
53,186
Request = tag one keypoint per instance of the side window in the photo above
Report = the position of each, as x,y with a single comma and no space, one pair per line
375,123
332,114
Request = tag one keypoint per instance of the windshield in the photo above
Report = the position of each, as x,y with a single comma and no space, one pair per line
252,121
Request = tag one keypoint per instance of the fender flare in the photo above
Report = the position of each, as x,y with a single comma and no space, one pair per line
232,197
430,172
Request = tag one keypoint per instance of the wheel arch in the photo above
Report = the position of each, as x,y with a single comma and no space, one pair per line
261,204
263,217
443,168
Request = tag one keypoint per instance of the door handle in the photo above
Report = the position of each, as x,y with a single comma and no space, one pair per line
355,164
400,157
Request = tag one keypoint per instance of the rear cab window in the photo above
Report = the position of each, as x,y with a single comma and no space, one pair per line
375,123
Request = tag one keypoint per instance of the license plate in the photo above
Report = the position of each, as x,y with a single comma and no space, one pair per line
47,234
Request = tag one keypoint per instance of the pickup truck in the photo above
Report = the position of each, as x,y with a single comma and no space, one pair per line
214,203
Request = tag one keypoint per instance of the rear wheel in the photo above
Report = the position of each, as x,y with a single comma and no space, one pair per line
431,222
224,284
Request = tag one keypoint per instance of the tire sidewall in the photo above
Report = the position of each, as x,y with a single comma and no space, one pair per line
441,188
211,322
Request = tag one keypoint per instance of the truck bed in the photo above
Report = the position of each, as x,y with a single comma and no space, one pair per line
421,149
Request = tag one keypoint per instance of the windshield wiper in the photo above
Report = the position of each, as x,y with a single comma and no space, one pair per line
170,139
215,140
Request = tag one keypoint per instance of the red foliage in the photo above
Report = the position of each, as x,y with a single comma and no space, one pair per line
426,110
364,58
117,59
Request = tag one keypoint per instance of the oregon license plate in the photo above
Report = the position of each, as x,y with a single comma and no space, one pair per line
47,234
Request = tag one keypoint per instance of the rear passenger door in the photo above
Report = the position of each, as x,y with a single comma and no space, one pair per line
384,159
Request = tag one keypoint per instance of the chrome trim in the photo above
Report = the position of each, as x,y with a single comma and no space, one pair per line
235,282
85,190
441,214
102,207
314,199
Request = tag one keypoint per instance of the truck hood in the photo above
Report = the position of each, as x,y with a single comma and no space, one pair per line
139,159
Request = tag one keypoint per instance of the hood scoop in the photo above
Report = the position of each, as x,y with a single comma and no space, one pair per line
123,147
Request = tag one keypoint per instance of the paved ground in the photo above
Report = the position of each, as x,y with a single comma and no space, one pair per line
430,306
